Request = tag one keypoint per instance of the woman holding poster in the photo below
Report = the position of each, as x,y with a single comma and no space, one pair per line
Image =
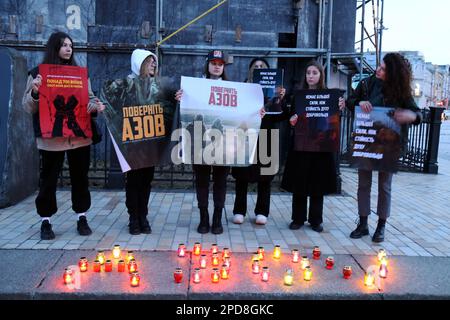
390,87
252,174
68,136
214,70
309,174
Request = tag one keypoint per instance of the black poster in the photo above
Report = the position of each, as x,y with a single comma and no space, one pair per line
376,140
270,80
318,125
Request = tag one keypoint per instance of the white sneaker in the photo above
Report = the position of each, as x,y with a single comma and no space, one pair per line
238,219
261,220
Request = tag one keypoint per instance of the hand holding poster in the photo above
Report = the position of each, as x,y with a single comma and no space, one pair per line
220,121
270,80
63,102
140,116
318,125
376,140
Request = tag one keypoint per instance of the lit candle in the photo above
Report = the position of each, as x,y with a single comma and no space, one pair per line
255,266
277,252
68,276
121,266
215,275
197,278
381,254
130,256
214,248
132,266
226,253
108,266
307,274
101,257
295,256
116,252
227,262
265,274
224,274
383,271
83,264
329,263
369,279
203,261
97,266
178,275
384,261
316,253
135,279
347,272
215,259
304,263
289,277
197,249
261,253
181,250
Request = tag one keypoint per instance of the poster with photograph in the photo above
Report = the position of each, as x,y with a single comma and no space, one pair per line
63,102
318,126
376,140
220,121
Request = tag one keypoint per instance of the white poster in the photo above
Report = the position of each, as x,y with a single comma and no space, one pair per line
220,121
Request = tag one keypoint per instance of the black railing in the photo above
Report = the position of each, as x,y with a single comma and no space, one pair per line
421,156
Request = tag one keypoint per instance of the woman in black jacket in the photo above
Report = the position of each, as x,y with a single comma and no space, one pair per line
389,87
310,174
252,174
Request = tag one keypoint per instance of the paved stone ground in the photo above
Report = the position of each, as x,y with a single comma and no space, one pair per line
419,226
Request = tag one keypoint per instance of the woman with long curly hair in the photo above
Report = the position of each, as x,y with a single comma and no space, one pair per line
389,87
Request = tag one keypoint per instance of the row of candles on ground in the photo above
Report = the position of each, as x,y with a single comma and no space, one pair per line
101,260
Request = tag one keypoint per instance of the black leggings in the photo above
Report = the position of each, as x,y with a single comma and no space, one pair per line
262,202
202,176
137,189
300,206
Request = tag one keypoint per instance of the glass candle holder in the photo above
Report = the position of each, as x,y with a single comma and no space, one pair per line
307,274
135,279
68,276
178,275
347,272
316,253
97,266
383,271
384,261
108,266
381,254
215,275
277,252
255,266
226,253
130,256
101,257
203,261
116,252
304,263
224,273
265,274
329,263
197,276
121,266
214,248
227,262
295,256
215,260
132,266
181,250
289,277
369,279
197,249
83,264
261,253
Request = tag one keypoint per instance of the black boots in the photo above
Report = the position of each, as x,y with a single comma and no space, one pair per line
139,224
361,230
378,236
46,231
83,227
203,227
144,224
217,221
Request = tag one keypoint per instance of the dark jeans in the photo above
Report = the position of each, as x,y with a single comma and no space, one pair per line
384,193
52,162
262,202
137,190
202,175
300,205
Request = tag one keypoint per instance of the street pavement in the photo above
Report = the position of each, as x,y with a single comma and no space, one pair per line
417,242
